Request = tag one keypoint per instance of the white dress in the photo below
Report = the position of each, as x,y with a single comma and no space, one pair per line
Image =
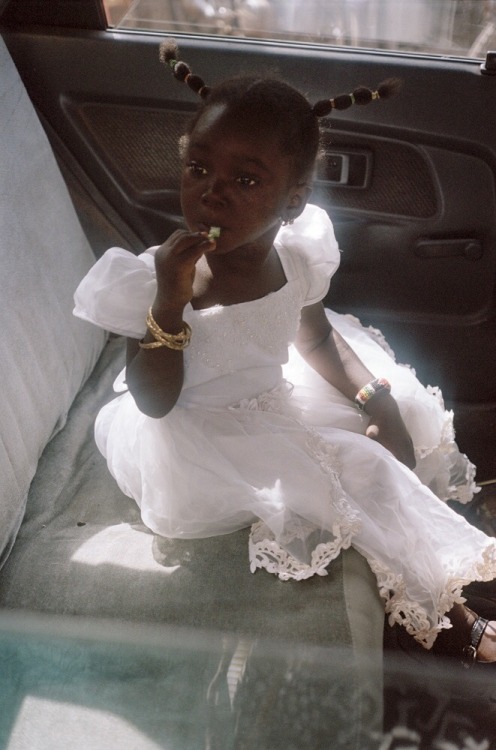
258,438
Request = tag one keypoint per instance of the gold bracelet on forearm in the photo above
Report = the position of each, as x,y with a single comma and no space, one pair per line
170,340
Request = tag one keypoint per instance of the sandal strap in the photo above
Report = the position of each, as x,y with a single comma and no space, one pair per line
470,652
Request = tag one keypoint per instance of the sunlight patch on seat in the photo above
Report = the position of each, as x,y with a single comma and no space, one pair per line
121,546
42,722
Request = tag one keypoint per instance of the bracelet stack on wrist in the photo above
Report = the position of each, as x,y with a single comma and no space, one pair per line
370,390
170,340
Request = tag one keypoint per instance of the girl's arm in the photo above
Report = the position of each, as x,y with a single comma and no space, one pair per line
155,376
328,353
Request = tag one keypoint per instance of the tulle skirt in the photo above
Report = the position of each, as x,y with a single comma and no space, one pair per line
294,463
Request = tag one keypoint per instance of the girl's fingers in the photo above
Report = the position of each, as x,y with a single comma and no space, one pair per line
183,249
187,241
190,255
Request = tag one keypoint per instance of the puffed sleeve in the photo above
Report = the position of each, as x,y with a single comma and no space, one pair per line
310,253
117,291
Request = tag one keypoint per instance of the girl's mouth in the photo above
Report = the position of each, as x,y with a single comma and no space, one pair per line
208,228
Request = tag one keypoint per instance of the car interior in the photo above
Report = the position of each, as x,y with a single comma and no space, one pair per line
109,636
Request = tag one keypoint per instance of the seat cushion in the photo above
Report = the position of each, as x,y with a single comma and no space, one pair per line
46,354
83,550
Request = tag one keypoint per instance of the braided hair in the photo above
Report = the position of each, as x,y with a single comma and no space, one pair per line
271,100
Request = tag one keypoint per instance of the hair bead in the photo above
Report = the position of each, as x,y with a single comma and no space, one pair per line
168,55
282,104
361,95
343,101
180,69
322,108
195,82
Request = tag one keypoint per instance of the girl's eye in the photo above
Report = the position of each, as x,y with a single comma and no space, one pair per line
247,180
196,169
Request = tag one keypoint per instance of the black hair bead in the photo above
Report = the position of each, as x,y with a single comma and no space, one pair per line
362,95
181,70
322,108
195,82
343,101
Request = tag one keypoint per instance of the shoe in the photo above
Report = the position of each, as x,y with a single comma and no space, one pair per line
469,653
452,642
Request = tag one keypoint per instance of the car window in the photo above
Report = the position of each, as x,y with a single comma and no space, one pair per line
464,28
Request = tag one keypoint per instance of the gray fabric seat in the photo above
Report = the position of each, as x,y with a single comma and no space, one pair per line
71,544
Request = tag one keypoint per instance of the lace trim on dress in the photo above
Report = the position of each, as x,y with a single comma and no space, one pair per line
273,555
411,615
379,338
376,334
447,440
466,487
266,552
464,493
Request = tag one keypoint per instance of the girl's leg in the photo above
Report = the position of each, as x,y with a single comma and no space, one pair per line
422,552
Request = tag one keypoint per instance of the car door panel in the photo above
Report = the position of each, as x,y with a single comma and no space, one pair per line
409,183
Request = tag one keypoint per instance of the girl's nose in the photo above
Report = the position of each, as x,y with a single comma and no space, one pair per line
215,193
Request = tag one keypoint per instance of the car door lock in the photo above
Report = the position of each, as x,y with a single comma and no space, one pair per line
488,68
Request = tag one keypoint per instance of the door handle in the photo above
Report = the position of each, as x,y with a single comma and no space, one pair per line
466,248
345,167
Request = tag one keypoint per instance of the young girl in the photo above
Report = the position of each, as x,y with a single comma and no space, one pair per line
218,430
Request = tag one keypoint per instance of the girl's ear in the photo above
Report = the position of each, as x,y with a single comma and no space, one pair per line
298,200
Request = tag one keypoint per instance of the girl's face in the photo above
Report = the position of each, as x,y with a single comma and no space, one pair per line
235,177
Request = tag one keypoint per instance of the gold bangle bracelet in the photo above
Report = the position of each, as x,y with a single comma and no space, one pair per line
176,341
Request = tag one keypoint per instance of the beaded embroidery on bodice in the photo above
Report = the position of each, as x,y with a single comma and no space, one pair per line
235,337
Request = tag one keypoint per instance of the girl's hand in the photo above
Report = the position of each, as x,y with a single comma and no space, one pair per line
387,427
175,263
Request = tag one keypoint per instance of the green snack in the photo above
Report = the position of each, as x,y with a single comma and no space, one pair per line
214,233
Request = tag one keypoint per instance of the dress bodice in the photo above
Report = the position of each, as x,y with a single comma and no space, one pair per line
238,350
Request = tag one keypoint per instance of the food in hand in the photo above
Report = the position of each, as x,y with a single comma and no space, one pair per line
214,233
